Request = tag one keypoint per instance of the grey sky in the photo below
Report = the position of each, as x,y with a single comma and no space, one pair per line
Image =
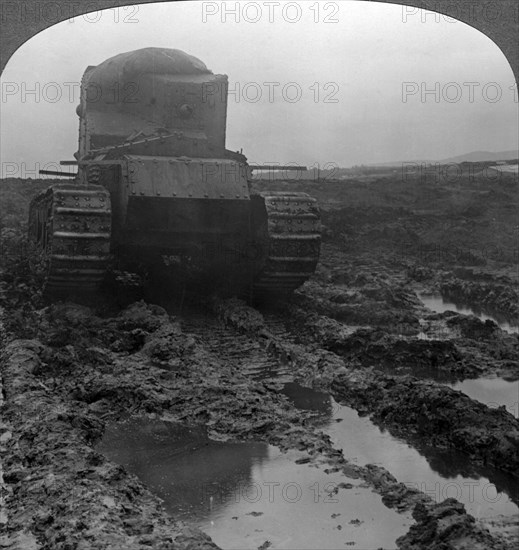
364,59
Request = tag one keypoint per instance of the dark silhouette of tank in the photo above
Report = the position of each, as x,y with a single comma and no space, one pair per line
155,182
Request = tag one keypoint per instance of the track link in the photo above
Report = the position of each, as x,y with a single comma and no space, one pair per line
72,225
293,233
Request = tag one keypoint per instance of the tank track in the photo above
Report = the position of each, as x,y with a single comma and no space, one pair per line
72,225
292,233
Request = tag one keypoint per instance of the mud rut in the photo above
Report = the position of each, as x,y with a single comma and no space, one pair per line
256,345
252,355
273,354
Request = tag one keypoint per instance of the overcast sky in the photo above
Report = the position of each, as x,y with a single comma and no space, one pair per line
351,74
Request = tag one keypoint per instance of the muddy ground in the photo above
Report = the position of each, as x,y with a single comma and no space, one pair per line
356,330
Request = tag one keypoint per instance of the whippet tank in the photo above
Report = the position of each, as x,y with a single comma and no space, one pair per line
156,183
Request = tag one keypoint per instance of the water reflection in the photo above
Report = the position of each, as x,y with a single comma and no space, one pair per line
441,304
158,452
295,507
485,491
243,494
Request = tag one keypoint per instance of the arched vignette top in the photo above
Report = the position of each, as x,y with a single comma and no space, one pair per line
498,20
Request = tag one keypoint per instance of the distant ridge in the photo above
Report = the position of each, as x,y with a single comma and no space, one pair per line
481,156
400,162
474,156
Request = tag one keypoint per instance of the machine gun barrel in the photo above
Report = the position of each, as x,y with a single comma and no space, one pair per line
277,167
56,173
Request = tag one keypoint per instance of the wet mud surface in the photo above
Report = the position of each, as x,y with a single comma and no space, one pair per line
201,374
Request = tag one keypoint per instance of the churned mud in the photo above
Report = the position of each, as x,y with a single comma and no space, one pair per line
107,406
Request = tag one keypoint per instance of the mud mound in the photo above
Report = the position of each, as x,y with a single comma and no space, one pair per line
369,305
497,297
446,526
60,493
236,313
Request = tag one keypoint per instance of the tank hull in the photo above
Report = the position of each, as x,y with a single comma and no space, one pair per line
156,186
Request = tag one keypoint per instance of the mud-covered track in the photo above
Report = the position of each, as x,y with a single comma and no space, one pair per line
293,233
72,225
252,356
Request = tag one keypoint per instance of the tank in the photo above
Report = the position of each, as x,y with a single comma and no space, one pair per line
155,184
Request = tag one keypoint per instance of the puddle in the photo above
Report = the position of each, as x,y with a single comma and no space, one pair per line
493,392
440,305
244,494
485,492
308,399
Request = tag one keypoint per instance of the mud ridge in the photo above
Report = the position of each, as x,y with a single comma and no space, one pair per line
444,525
